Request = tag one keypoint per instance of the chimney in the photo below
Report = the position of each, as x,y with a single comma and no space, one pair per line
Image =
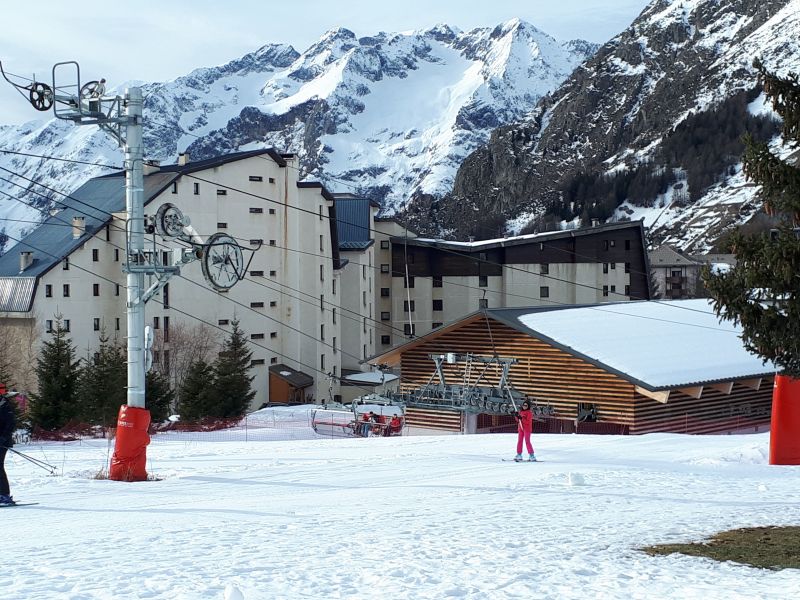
151,166
78,227
183,158
25,260
595,222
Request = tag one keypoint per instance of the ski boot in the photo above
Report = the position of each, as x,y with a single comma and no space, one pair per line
7,500
531,457
518,458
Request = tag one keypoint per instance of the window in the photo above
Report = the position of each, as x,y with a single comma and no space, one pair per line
627,244
273,273
612,243
365,324
165,257
273,334
116,254
365,352
386,340
256,241
320,212
363,270
409,328
272,242
165,295
483,281
256,273
384,268
544,269
156,322
222,225
605,290
273,360
272,180
322,273
613,289
256,305
385,316
65,264
222,192
273,303
223,322
333,286
627,267
384,244
108,233
438,305
96,324
95,255
544,291
174,187
434,325
605,267
322,243
48,326
385,292
95,289
627,290
65,325
605,244
116,289
66,290
408,283
196,189
256,336
166,329
257,361
165,362
48,291
333,345
256,210
272,211
322,302
255,178
437,281
116,324
483,303
333,315
613,266
406,305
364,298
676,273
322,332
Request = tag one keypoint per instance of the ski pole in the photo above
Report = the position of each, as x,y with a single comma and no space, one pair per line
39,463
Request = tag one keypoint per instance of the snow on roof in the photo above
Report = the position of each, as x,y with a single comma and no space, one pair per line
371,378
663,344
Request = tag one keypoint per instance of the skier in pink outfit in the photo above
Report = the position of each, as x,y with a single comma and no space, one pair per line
524,428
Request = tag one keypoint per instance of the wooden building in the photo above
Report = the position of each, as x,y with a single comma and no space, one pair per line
633,367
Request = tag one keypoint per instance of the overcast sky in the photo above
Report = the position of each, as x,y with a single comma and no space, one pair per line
156,40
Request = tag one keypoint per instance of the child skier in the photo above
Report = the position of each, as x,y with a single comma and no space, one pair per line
524,428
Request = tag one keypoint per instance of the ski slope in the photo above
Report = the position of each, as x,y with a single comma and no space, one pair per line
412,517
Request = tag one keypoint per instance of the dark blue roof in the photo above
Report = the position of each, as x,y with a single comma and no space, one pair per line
352,220
94,201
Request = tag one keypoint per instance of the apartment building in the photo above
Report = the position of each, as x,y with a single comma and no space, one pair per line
70,268
425,283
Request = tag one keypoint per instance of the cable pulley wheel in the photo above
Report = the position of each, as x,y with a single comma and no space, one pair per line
40,96
89,90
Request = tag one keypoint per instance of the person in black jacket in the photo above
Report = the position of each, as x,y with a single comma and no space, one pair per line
7,426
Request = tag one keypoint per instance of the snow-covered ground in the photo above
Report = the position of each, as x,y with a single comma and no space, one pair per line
412,517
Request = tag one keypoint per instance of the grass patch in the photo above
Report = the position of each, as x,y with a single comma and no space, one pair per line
763,547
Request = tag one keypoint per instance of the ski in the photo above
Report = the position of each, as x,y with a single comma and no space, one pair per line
18,504
522,461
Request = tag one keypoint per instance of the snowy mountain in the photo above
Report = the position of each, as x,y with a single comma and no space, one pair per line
625,120
389,115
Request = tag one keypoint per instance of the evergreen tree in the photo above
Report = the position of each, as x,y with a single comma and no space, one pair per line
58,373
231,390
196,391
102,384
159,395
762,292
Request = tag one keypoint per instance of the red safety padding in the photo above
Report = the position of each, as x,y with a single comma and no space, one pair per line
784,441
130,448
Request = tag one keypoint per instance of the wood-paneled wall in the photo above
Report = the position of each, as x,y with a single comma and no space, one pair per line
553,377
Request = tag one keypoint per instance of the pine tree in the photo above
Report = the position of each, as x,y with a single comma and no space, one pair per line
102,384
195,392
231,392
762,293
159,395
58,373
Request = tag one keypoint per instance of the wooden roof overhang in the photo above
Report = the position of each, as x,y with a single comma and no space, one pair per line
661,394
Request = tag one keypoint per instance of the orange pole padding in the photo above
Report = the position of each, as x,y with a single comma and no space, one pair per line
130,447
784,440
